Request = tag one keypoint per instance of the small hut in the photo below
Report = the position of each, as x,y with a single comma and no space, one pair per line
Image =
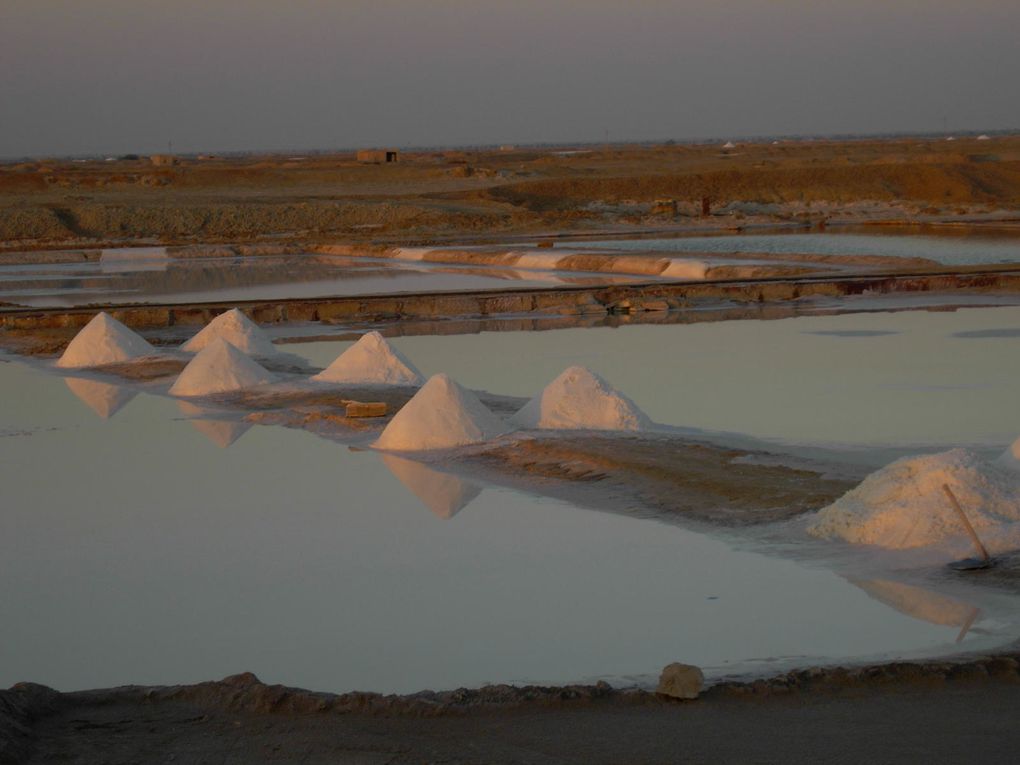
377,156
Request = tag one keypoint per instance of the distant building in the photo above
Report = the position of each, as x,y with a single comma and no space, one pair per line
377,156
163,160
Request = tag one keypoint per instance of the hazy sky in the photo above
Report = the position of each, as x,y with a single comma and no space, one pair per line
82,76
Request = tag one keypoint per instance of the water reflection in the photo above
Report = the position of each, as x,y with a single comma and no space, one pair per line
105,399
222,432
443,493
921,603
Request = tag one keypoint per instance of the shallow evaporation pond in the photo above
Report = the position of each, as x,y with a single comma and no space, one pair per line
910,378
135,549
948,249
167,280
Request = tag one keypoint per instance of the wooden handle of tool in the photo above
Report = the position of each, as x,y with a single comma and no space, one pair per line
966,522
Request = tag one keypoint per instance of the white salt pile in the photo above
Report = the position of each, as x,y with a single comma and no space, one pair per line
903,505
580,400
442,493
1010,459
440,416
104,340
238,330
546,261
679,268
102,398
371,361
219,368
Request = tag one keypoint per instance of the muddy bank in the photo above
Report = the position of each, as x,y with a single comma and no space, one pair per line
939,711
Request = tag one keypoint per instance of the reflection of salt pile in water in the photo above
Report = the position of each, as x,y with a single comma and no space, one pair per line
219,368
1010,459
221,432
104,340
238,330
102,398
918,602
441,415
371,361
442,493
580,400
903,504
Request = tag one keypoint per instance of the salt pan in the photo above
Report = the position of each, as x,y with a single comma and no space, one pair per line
440,416
371,361
580,400
219,368
104,340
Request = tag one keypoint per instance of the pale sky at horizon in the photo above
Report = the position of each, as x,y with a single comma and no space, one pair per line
116,76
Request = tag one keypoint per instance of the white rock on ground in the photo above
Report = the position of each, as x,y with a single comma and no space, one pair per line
440,416
681,681
581,400
903,505
220,368
238,330
104,340
371,361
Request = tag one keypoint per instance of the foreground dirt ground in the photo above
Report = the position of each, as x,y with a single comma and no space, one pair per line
443,195
902,713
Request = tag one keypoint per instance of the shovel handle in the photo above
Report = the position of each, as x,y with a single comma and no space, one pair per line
966,522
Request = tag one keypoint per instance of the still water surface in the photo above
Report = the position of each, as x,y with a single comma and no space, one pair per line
135,548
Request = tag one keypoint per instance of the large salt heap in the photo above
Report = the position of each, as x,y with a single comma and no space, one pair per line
443,493
104,340
371,361
903,505
441,415
581,400
238,330
220,368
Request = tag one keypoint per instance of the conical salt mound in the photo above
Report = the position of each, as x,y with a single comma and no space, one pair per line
371,361
903,505
102,398
442,493
220,368
238,330
440,416
223,433
104,340
581,400
1010,459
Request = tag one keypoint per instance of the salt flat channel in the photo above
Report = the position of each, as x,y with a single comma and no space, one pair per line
136,549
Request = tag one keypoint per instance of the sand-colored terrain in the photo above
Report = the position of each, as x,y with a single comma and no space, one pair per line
436,196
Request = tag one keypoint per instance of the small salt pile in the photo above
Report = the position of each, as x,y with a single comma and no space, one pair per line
680,268
371,361
1010,459
238,330
219,368
440,416
104,340
903,505
581,400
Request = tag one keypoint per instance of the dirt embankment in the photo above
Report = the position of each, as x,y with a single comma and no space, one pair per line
429,196
902,712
